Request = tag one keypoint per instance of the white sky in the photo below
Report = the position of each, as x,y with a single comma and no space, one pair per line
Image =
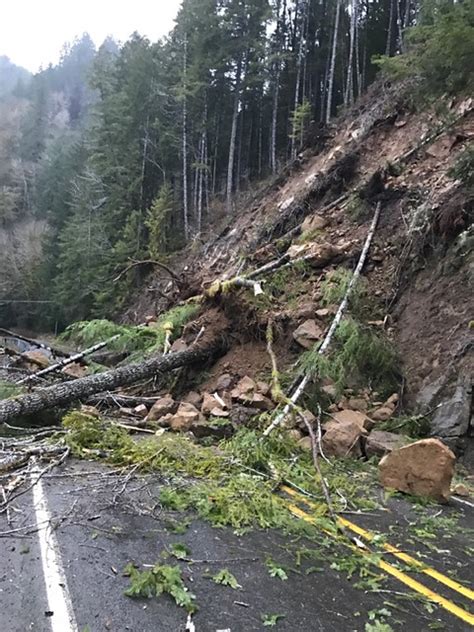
32,32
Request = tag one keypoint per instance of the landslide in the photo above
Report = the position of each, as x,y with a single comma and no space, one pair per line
418,277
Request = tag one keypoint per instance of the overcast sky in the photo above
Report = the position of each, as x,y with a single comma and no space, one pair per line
32,32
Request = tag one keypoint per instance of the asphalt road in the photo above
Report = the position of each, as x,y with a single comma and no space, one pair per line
101,522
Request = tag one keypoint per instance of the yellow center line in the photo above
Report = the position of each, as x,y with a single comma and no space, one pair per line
408,559
401,576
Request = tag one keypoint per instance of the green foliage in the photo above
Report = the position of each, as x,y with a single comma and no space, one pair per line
357,356
161,579
180,551
358,208
440,50
271,620
275,570
464,168
299,119
225,577
132,339
158,222
415,426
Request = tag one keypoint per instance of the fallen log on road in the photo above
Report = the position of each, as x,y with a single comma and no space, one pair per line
68,392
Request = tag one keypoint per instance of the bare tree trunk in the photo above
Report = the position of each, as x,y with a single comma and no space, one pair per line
388,47
349,92
185,142
332,66
67,392
276,90
299,60
233,137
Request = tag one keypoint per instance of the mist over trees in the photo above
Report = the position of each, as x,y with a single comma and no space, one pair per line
134,150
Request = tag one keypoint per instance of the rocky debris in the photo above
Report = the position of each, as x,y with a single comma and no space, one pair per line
318,255
323,312
424,468
247,392
380,442
330,390
214,406
342,437
241,415
163,406
451,420
461,490
308,333
178,345
313,223
386,410
355,416
218,429
185,418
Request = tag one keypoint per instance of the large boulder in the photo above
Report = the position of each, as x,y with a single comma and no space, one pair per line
313,223
353,416
308,333
343,438
36,359
163,406
380,442
451,420
424,468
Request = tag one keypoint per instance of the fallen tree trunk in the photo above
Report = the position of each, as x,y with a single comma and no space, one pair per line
70,360
67,392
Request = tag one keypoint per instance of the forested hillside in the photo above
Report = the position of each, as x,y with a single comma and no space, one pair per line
131,152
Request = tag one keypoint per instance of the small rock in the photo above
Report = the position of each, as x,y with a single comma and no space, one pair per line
178,345
305,443
314,222
379,442
324,312
330,390
294,434
161,407
357,403
392,401
241,415
75,370
263,388
141,410
424,468
381,414
261,402
185,417
219,412
355,416
208,403
308,333
343,438
224,382
194,398
244,389
461,490
90,410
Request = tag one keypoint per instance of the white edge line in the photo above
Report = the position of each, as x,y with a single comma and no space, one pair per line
57,592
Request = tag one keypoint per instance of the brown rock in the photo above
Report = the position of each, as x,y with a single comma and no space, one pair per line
461,490
324,312
355,416
263,388
314,222
318,255
357,403
224,382
186,416
75,370
261,402
379,442
305,443
381,414
423,468
244,389
161,407
219,412
208,403
330,390
36,358
343,438
308,333
178,345
141,410
392,401
194,398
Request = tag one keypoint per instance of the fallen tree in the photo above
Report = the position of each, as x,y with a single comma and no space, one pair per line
82,388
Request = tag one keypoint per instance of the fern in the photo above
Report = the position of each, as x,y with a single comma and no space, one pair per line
159,580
